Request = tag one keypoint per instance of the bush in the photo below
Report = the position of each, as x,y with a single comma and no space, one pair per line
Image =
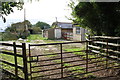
24,35
8,36
1,36
36,30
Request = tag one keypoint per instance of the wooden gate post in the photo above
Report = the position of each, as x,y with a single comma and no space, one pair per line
61,61
25,69
15,59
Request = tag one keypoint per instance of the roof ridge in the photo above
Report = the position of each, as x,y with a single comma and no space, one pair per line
65,22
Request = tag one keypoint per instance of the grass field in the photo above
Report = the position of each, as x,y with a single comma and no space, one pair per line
36,38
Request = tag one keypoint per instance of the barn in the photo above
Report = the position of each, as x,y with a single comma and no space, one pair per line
65,30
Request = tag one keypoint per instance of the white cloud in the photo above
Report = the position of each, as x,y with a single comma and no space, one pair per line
44,10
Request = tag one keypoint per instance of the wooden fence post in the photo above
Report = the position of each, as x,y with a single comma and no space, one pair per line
107,54
86,56
61,61
25,69
118,48
15,59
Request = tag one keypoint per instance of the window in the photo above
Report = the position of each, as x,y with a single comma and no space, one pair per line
77,30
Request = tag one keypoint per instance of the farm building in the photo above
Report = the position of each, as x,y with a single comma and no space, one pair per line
65,30
52,33
59,30
79,33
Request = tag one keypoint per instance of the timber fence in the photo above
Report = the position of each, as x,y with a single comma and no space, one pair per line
11,65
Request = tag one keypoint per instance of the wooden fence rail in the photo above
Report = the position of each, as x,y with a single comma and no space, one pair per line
110,46
15,64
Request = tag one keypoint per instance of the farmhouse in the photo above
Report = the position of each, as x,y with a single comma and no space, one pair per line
65,30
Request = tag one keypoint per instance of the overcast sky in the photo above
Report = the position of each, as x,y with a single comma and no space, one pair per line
44,10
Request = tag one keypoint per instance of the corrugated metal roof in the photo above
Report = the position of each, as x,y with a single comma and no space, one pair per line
64,25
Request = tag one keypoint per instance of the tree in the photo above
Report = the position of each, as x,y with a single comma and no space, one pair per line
8,36
20,29
7,8
36,30
101,18
42,25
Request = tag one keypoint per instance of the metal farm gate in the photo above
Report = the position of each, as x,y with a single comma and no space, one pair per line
72,61
52,61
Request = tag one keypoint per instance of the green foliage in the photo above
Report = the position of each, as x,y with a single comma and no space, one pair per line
100,18
74,68
36,30
117,30
8,36
35,37
77,69
79,53
66,64
39,37
19,29
7,8
42,25
57,61
24,35
10,59
51,55
75,49
1,36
